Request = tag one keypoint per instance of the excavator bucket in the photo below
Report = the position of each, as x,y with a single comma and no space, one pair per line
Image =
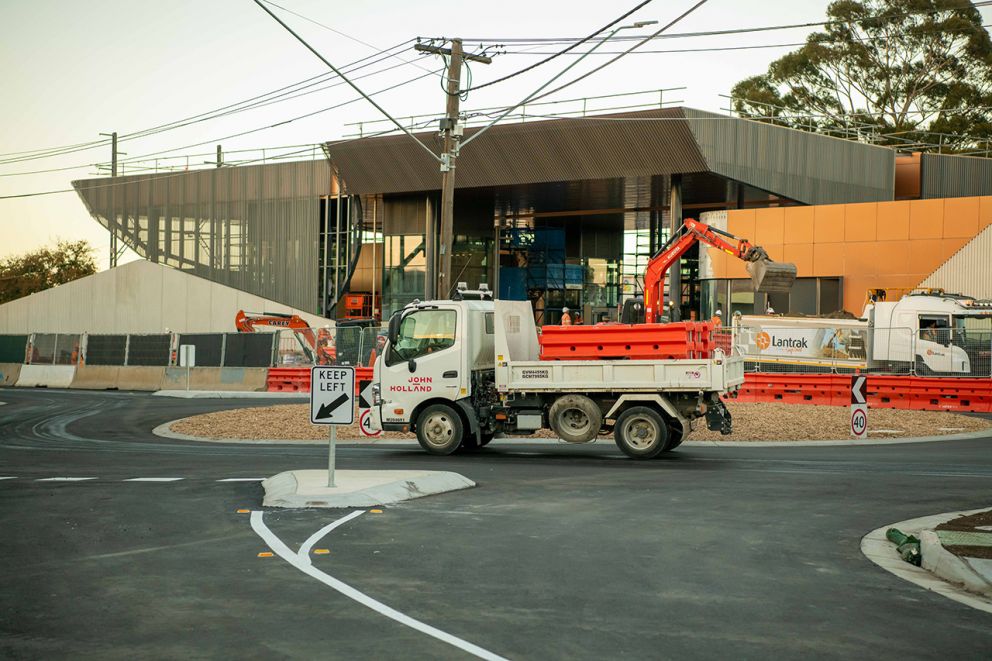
771,277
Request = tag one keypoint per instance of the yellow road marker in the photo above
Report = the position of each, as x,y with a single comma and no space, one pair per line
376,511
321,551
244,511
265,554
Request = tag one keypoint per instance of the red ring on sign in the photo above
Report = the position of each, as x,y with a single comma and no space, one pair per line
859,413
361,424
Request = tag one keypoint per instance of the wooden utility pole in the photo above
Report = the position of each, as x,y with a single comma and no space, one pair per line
452,133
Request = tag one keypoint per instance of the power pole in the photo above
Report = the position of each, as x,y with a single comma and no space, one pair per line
114,250
452,132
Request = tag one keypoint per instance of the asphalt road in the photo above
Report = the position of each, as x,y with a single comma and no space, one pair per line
560,552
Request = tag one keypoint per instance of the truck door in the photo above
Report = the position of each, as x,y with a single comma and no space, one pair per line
933,343
424,363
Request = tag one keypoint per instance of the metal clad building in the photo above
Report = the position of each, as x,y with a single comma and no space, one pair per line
253,227
806,167
942,175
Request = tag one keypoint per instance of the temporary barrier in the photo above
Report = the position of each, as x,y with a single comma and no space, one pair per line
46,376
297,379
900,392
685,339
138,377
9,373
215,378
96,377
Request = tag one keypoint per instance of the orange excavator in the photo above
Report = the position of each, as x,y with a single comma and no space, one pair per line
767,275
319,344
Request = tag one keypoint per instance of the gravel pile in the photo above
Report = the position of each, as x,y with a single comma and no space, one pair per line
752,422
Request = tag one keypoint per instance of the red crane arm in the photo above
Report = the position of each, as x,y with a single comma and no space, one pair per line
690,232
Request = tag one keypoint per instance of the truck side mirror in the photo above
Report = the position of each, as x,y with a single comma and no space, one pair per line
394,328
412,365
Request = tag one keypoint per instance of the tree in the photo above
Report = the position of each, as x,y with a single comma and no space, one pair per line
916,73
44,268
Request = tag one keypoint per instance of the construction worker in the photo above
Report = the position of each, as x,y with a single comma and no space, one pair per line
769,309
566,318
717,318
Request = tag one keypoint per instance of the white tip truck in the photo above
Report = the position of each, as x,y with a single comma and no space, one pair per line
457,372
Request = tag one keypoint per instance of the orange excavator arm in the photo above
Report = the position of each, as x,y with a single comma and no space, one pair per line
246,322
769,276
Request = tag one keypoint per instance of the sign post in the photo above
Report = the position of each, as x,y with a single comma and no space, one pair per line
187,359
859,406
332,403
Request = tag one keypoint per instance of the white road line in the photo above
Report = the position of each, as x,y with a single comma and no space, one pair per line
304,552
155,479
242,479
8,478
65,479
304,564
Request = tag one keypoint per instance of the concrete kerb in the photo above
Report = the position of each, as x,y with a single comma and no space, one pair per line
231,394
883,553
354,488
9,373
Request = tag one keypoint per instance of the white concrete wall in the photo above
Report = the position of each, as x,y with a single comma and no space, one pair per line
138,297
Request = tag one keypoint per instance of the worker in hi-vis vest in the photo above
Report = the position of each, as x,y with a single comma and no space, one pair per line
566,318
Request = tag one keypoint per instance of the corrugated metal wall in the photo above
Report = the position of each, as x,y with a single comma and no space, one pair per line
805,167
254,228
955,176
969,270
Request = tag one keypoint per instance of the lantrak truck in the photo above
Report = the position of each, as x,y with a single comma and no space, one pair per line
457,372
933,332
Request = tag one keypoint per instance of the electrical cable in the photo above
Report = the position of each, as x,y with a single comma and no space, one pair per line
561,52
681,35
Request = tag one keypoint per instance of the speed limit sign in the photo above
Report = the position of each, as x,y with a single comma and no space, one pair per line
859,406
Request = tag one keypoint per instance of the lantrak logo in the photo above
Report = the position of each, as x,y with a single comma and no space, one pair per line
764,341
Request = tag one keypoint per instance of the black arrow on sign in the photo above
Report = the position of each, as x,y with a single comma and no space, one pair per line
858,384
326,410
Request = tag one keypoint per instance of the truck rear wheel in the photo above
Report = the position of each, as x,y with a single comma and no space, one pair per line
575,418
641,433
440,429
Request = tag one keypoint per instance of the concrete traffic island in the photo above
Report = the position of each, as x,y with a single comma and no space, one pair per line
357,488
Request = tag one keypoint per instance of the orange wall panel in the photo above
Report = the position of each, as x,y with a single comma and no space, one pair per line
828,259
926,219
961,217
802,256
924,256
892,223
984,213
741,223
769,227
861,258
828,223
950,246
860,222
799,225
892,257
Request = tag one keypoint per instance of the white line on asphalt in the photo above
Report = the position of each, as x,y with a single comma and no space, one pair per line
64,479
304,552
8,478
304,565
155,479
242,479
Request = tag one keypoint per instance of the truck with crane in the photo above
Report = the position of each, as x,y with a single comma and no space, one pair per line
457,372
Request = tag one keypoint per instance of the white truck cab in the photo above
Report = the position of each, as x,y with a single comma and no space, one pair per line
457,372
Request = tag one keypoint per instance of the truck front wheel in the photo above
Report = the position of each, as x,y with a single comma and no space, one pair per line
440,429
641,433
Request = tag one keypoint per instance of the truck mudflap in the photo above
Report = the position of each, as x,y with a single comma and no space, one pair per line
718,417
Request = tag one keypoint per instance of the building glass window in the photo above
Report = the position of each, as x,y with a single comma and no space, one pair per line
742,298
802,298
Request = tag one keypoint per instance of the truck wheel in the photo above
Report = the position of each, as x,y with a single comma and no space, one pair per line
641,433
676,434
439,429
575,418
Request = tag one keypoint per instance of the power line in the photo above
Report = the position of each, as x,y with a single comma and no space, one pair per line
709,33
223,111
561,52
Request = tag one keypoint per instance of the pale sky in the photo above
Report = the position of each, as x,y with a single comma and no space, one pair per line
72,70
